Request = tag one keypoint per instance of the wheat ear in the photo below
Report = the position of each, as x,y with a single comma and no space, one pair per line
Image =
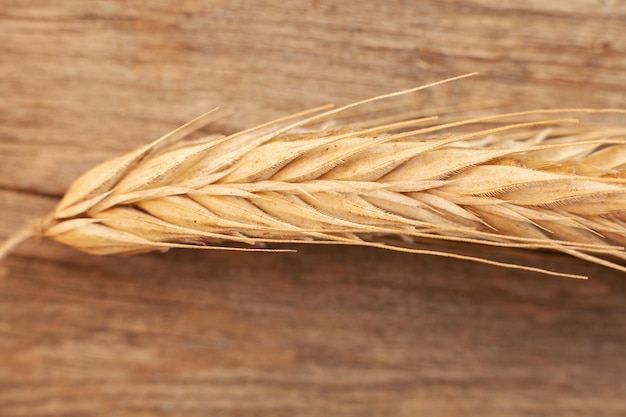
520,185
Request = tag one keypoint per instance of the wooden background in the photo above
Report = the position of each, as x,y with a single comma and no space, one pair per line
327,331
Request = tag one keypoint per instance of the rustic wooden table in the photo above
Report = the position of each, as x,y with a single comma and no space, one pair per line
334,331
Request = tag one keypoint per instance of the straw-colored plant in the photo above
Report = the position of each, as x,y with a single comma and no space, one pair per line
518,184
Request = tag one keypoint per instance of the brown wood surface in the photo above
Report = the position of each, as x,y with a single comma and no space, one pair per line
329,331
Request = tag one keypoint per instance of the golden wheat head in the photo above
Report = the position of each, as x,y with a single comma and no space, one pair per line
520,185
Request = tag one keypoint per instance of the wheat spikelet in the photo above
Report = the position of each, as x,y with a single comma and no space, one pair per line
519,185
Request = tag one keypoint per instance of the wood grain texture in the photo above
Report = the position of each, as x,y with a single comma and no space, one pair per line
327,331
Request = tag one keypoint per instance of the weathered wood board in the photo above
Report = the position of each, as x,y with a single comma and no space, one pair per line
327,331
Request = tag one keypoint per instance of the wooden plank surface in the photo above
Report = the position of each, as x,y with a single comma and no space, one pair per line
327,331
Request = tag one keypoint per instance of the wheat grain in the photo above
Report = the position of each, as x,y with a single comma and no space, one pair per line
519,185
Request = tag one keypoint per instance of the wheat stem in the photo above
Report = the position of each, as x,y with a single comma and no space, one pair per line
18,237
